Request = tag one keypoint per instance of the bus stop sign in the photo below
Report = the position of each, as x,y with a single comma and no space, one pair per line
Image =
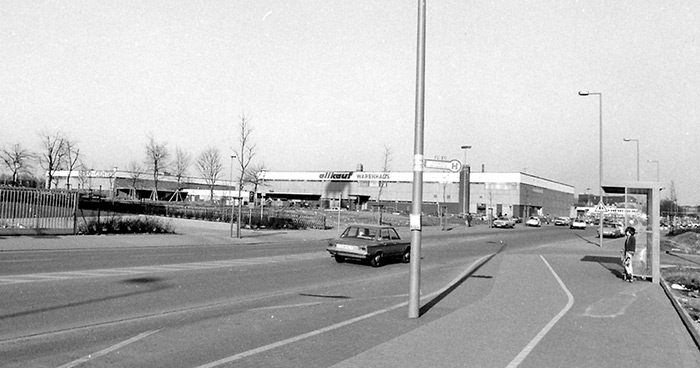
452,165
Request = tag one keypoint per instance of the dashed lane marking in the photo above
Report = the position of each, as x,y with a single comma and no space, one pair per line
68,275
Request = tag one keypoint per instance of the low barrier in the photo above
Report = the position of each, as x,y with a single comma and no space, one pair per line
25,211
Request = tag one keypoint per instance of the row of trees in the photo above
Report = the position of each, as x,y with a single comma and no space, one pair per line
209,164
58,152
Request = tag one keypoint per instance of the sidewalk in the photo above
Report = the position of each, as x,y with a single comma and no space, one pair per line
578,313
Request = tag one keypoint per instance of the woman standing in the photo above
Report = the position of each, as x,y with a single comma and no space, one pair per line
628,253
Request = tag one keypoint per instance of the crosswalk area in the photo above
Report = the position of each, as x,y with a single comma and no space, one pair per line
128,271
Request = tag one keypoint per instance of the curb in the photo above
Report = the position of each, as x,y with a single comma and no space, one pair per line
682,313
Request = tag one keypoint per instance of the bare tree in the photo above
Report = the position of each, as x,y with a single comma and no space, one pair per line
386,167
18,160
182,164
135,171
83,175
72,155
253,177
244,155
209,167
157,160
53,154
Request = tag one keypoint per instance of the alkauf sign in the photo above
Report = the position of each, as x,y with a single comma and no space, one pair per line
352,176
336,175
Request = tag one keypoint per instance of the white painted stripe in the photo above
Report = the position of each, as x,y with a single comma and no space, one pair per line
286,306
53,276
107,350
531,345
337,325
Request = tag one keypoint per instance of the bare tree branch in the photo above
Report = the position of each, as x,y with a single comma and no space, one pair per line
244,156
53,154
209,167
157,160
135,171
253,178
72,156
182,164
18,160
386,167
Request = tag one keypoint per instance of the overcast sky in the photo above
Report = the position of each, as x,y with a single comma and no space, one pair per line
328,84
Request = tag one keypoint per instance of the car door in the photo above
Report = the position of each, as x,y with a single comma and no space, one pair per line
391,241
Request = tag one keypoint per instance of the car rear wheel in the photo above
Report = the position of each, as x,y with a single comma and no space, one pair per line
376,260
406,257
339,259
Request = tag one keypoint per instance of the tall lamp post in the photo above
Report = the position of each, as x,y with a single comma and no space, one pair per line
415,221
636,141
657,167
600,154
465,190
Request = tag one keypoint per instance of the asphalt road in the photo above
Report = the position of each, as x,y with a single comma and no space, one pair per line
194,305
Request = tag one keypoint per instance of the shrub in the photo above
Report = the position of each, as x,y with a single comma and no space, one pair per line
126,225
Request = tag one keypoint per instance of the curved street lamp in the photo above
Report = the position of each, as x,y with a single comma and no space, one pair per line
637,141
600,154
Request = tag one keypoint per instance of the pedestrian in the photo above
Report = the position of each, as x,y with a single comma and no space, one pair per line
469,220
628,253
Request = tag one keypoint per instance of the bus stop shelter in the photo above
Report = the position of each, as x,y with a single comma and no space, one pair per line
646,262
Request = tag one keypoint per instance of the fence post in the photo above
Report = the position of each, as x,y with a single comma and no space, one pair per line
75,213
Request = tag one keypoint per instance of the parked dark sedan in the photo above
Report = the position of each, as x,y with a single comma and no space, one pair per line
370,242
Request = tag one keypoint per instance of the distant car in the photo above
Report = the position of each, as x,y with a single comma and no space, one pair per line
517,220
334,209
578,224
533,221
373,243
611,231
562,221
504,223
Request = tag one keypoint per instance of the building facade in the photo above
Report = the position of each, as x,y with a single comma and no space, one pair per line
506,194
496,194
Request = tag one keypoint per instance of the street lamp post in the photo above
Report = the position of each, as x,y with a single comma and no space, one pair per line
657,167
600,154
465,190
415,221
636,141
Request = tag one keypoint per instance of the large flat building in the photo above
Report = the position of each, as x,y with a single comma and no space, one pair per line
507,194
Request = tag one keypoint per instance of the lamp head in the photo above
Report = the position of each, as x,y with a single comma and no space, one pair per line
583,93
466,147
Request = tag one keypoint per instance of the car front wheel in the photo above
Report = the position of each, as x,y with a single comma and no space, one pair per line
376,260
339,259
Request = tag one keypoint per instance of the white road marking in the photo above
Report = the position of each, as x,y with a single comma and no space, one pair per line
337,325
531,345
108,350
55,276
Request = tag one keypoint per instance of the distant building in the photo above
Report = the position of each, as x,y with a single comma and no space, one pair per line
507,194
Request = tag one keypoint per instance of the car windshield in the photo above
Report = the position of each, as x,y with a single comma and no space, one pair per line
359,232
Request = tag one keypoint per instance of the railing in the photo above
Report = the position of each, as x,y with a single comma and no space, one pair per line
37,211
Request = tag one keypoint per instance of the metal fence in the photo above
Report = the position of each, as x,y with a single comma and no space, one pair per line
27,211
